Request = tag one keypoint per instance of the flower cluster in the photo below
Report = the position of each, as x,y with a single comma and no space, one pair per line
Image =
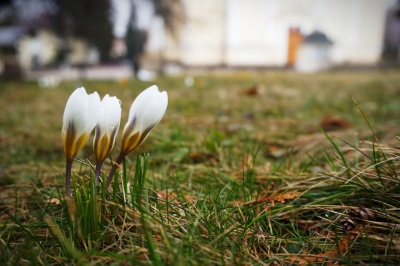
85,112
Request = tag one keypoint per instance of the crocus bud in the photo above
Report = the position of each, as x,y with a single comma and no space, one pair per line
146,112
80,117
107,127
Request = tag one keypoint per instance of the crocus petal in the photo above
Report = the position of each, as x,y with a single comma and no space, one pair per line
153,111
93,107
146,112
80,117
144,98
107,127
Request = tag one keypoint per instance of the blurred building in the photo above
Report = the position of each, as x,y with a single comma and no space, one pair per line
308,35
36,49
270,33
312,54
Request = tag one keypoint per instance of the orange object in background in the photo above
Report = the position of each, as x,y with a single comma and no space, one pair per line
295,39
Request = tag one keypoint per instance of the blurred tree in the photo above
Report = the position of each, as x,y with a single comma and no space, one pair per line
85,19
89,20
5,2
172,12
133,21
391,48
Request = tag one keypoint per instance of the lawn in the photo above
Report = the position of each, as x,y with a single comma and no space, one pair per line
245,168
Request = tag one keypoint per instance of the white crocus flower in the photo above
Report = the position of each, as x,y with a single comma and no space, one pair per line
106,129
146,112
80,117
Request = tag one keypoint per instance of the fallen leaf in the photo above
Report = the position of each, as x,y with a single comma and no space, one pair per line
329,123
252,91
54,200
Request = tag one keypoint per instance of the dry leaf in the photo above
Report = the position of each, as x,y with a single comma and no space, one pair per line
252,91
271,199
329,123
54,200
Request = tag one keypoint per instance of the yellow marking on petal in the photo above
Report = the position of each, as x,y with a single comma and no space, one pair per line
81,141
72,145
145,134
68,138
130,143
102,147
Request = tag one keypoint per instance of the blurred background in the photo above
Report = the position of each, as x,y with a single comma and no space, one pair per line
114,39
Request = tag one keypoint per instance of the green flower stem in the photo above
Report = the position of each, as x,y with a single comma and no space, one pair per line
114,168
68,177
98,171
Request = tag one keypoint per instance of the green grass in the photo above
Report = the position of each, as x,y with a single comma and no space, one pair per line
230,178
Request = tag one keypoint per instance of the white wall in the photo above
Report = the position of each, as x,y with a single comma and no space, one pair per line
202,38
243,20
356,31
255,32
